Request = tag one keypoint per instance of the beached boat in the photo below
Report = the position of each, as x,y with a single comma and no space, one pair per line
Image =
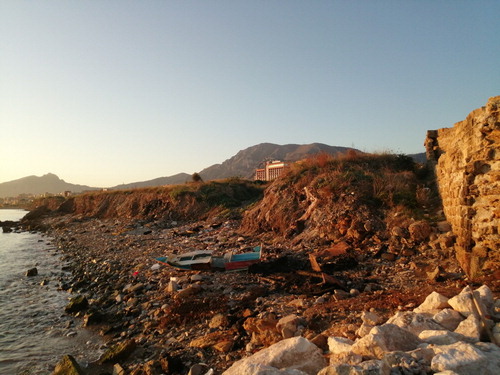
193,260
233,262
204,260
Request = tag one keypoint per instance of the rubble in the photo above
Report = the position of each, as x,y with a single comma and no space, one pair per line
181,318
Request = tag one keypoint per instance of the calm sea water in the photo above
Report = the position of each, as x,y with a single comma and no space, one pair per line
34,331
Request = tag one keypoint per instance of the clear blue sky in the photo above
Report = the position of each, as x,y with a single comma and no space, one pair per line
109,92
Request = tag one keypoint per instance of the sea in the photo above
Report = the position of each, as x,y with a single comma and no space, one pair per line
34,330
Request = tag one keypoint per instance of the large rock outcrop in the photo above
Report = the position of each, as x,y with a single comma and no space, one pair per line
467,160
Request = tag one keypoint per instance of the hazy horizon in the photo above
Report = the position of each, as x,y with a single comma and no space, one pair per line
105,93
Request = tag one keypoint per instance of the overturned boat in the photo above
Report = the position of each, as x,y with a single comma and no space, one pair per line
205,260
193,260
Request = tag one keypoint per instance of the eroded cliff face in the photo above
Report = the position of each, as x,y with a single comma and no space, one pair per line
366,201
467,163
169,203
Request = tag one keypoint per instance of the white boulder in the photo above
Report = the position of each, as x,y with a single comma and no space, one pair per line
448,318
467,359
470,327
442,337
338,345
434,301
414,322
383,339
296,353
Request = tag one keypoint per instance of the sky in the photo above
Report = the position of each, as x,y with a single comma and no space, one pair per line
109,92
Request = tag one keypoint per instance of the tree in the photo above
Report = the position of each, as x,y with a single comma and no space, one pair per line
196,177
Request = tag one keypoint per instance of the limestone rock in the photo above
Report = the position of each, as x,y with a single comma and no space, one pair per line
338,345
406,363
448,318
485,296
68,366
463,302
441,337
372,367
467,359
364,329
470,327
383,339
296,353
414,322
434,301
260,369
337,369
371,318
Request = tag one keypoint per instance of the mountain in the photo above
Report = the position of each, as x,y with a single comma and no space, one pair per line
244,163
48,183
176,179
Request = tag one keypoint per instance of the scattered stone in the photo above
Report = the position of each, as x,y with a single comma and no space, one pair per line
289,326
32,272
419,231
196,278
172,286
118,352
219,321
77,304
371,318
68,366
364,329
321,341
118,370
188,292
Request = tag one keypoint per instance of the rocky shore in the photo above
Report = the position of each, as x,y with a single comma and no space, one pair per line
158,320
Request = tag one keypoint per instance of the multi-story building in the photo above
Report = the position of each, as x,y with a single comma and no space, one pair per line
271,170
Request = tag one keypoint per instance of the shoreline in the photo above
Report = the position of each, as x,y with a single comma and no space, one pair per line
180,319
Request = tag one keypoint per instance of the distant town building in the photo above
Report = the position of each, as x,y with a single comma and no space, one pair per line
271,170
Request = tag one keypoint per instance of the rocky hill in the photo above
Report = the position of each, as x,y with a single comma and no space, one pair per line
176,179
48,183
244,163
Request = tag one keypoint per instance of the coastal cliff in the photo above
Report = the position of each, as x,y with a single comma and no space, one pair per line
467,164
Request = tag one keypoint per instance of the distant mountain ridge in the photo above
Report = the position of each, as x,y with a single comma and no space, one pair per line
48,183
176,179
243,164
